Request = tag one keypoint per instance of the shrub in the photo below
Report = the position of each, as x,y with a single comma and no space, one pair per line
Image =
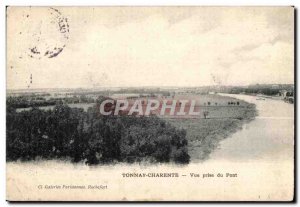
66,132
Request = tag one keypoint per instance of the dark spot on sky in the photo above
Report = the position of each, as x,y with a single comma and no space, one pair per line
54,52
34,50
59,50
62,27
55,10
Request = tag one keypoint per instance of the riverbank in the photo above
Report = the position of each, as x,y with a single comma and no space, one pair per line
270,137
204,135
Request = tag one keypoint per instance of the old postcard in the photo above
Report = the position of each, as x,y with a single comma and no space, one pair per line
150,103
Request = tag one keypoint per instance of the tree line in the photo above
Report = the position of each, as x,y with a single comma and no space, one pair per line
78,135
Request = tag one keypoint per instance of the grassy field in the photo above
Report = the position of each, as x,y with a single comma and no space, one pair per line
203,134
84,106
225,116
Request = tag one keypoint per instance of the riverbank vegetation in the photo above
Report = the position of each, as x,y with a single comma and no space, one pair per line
76,135
205,134
80,135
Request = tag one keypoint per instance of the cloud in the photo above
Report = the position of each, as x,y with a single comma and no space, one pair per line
161,46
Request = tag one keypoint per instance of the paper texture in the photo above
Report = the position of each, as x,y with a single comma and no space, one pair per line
150,104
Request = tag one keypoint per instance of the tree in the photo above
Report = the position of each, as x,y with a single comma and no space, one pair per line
205,114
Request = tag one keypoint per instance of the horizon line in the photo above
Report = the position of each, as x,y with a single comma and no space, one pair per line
107,87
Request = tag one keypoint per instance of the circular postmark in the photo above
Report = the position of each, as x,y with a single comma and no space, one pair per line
47,33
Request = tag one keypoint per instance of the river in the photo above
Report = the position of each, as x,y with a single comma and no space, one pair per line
269,137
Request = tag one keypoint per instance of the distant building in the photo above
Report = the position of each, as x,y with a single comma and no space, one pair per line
287,95
275,86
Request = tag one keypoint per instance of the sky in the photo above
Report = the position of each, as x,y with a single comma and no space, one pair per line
90,47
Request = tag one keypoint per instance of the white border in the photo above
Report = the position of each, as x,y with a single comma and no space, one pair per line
151,2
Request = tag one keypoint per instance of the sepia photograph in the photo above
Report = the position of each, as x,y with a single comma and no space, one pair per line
150,103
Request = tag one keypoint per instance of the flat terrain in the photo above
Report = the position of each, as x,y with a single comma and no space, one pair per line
203,134
261,154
